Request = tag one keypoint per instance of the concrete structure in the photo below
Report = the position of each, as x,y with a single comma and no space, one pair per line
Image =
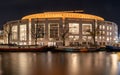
48,28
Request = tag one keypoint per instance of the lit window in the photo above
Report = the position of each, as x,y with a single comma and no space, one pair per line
40,30
84,38
89,37
53,30
110,33
74,28
110,28
103,32
103,27
74,37
107,38
86,28
107,33
100,37
107,27
103,37
100,27
23,32
14,33
110,38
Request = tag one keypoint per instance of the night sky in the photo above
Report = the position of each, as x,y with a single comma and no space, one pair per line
16,9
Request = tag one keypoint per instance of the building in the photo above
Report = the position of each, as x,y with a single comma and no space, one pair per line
51,28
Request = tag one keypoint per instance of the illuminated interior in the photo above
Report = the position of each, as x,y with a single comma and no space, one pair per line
74,28
23,32
14,33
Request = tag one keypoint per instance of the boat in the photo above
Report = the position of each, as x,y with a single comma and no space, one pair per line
69,49
23,49
112,49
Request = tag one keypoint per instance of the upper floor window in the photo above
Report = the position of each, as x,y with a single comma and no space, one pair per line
103,27
14,32
53,30
86,28
74,28
107,27
23,32
41,30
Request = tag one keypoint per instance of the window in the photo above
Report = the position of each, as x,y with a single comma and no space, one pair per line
107,38
103,27
110,28
74,38
103,32
110,33
84,38
53,30
100,26
23,32
86,28
107,33
14,33
74,28
89,37
107,27
40,30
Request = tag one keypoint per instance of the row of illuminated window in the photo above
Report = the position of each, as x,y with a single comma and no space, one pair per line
22,32
54,30
105,27
74,28
86,38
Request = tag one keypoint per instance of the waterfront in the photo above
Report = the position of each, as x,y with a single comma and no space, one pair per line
97,63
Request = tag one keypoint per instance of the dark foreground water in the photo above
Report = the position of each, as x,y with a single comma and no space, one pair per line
99,63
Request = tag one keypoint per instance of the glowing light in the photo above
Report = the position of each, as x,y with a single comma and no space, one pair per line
62,15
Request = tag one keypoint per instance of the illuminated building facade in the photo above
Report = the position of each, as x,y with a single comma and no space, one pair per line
48,28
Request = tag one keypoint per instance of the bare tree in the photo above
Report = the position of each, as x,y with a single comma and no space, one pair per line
64,33
95,32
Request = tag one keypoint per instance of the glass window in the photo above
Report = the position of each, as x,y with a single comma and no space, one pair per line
107,38
107,27
110,33
103,33
100,26
84,38
74,28
107,33
103,27
74,37
110,28
103,37
89,37
86,28
23,32
53,30
40,30
14,33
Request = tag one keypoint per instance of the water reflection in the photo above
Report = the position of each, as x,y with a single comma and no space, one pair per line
100,63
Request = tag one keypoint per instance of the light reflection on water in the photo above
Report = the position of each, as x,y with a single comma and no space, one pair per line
99,63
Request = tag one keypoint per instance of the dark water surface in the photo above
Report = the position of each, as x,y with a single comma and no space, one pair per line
98,63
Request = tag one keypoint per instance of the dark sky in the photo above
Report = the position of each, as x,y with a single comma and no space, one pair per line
15,9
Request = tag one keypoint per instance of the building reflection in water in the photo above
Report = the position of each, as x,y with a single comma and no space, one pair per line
86,63
100,63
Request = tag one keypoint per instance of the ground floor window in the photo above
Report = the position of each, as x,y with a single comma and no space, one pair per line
51,43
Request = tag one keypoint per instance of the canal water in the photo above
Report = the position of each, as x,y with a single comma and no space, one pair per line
97,63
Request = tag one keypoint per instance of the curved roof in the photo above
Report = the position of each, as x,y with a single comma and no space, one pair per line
62,15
